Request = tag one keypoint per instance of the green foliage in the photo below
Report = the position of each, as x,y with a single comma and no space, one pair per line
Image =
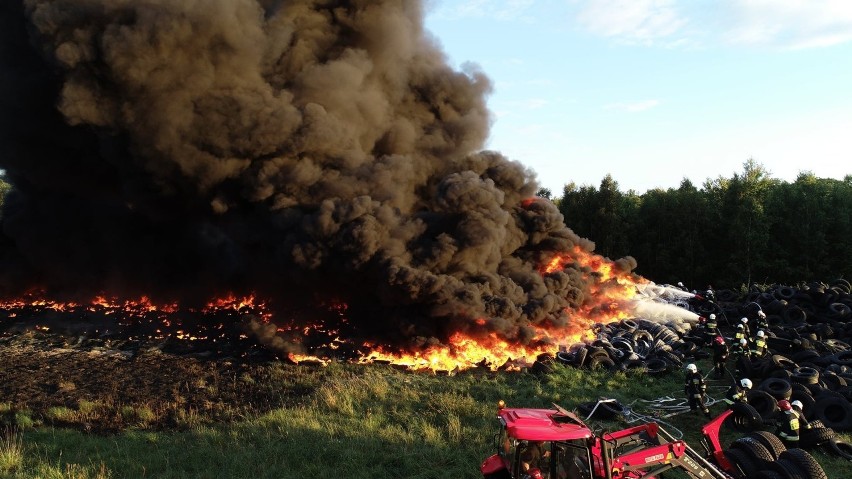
356,422
749,226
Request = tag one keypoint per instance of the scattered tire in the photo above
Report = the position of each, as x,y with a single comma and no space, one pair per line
813,437
805,375
805,462
835,412
755,449
768,475
840,448
770,441
763,403
743,463
744,418
777,387
787,469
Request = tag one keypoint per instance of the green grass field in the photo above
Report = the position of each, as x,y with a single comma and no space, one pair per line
369,422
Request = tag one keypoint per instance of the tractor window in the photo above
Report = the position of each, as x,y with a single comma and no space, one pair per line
531,455
570,461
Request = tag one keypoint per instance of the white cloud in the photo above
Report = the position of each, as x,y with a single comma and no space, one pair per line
794,24
643,21
634,107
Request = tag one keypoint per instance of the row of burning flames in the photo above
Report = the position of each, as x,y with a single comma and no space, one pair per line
459,351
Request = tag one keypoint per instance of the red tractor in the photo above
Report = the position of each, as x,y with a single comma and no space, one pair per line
556,444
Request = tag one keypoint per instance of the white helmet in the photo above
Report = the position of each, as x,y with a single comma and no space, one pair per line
692,368
761,314
743,341
680,284
797,404
712,316
740,326
746,383
761,334
744,320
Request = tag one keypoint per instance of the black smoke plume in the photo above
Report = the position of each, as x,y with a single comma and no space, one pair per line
309,151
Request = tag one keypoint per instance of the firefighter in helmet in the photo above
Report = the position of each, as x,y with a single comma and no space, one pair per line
788,424
720,356
758,349
695,389
738,392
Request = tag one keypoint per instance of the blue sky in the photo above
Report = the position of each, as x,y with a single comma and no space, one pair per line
654,91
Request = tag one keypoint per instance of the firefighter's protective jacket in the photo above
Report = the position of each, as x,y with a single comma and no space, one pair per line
788,427
736,394
694,385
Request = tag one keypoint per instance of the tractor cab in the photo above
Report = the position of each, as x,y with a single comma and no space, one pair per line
550,443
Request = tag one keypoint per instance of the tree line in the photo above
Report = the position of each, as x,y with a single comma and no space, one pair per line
749,228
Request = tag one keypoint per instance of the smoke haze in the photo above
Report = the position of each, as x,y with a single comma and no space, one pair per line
308,151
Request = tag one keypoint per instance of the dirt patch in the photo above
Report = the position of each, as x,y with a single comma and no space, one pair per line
106,386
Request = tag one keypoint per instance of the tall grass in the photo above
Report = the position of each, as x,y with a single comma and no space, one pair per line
353,422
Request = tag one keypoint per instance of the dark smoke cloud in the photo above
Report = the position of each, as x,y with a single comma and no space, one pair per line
297,149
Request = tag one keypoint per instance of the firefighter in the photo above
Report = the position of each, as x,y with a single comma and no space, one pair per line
799,408
720,356
746,330
695,389
788,424
762,323
742,357
758,349
740,334
711,325
738,392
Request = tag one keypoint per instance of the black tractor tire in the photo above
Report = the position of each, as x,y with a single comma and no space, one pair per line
743,465
769,475
656,366
755,449
763,402
813,437
805,375
744,418
777,387
840,448
834,412
805,462
770,441
601,362
787,469
566,358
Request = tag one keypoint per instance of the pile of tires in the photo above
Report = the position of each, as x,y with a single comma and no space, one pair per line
633,344
762,455
809,337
